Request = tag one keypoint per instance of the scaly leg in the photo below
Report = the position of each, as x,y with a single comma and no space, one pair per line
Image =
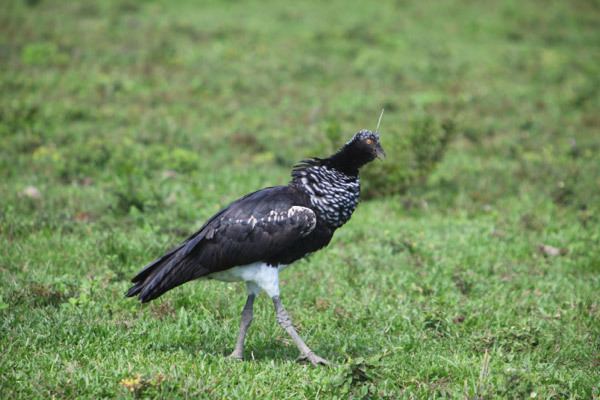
285,321
238,352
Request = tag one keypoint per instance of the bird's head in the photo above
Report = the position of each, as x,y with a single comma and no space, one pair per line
367,143
363,148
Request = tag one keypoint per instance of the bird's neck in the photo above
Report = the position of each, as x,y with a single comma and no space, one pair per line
332,193
347,160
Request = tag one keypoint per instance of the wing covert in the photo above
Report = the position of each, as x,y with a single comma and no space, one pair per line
243,238
257,227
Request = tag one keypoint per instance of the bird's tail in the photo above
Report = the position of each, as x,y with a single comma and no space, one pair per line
161,275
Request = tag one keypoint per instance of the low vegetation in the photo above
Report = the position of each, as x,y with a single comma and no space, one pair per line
471,269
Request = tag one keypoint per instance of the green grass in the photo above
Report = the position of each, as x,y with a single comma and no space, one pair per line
138,120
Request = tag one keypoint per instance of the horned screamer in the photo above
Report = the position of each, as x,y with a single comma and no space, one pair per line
254,237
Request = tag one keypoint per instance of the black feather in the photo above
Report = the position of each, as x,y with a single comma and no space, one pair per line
254,228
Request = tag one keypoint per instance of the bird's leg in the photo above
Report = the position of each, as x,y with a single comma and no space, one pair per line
283,318
238,352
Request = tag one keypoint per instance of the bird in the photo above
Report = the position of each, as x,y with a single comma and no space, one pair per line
260,234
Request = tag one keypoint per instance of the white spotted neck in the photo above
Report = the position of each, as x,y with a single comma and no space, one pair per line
333,194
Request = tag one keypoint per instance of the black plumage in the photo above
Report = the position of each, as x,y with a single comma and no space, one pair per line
264,230
254,228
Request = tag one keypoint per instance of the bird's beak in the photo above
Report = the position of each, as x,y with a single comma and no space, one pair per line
379,153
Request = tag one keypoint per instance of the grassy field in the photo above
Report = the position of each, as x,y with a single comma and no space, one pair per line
125,124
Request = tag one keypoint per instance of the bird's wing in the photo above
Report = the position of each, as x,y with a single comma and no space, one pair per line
249,234
250,229
257,227
197,237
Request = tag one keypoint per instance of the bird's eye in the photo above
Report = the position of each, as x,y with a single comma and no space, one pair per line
369,141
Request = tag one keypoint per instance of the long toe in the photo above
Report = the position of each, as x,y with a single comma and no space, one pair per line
314,359
236,356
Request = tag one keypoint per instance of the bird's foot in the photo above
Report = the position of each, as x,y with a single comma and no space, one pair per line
313,359
236,356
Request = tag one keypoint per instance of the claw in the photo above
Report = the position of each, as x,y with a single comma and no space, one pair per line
235,357
314,359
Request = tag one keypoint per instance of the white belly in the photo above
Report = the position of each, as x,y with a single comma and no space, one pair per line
262,275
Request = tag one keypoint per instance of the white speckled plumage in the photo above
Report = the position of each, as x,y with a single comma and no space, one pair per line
334,194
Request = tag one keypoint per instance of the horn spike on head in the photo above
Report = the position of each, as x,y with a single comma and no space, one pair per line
379,120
